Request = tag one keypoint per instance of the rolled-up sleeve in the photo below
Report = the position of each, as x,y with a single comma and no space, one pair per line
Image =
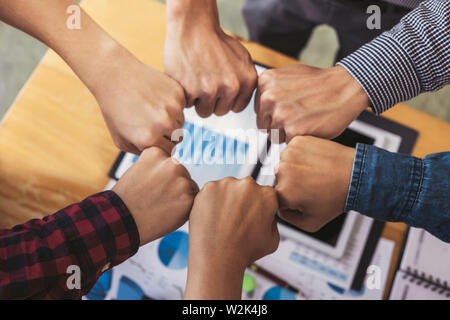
93,236
412,58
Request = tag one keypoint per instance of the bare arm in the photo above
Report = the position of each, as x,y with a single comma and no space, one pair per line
141,106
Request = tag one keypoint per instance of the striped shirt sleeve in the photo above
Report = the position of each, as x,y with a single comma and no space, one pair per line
412,58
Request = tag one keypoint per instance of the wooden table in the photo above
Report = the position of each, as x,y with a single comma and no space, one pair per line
56,150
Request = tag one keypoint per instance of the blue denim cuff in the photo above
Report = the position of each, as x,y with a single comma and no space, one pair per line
384,185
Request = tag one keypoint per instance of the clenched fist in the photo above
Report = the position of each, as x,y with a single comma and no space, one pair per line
141,106
312,181
159,193
215,70
231,225
303,100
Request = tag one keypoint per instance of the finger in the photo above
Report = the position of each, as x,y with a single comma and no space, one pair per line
177,115
165,144
294,217
205,105
256,106
242,100
224,104
195,189
191,97
131,148
270,195
266,107
263,120
301,220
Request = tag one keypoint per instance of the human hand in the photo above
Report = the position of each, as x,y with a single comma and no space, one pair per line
216,71
312,181
303,100
159,193
231,225
141,106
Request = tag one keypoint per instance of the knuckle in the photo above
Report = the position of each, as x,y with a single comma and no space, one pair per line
153,152
228,180
279,187
146,138
180,97
174,167
268,98
166,118
231,85
248,181
209,187
185,185
278,115
285,156
292,132
265,78
119,144
209,88
299,140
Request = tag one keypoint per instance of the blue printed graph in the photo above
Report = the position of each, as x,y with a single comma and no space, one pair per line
129,290
341,291
101,288
173,250
278,293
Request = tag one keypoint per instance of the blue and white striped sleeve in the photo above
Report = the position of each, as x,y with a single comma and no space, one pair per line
412,58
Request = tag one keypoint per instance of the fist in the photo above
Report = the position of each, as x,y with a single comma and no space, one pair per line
233,221
141,106
303,100
232,224
312,181
215,70
159,193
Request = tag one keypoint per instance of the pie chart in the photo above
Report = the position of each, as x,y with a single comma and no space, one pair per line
278,293
173,250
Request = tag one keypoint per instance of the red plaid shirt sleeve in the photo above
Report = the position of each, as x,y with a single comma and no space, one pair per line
93,235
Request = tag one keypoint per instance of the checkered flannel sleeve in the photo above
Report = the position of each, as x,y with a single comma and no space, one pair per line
412,58
40,259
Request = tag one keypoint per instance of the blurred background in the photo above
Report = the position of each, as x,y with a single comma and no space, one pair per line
20,54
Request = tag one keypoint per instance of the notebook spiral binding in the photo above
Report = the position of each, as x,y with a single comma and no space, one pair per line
427,281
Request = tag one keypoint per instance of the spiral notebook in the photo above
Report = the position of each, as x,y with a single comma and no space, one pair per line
424,272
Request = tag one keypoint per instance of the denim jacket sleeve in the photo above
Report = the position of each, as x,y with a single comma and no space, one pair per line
399,188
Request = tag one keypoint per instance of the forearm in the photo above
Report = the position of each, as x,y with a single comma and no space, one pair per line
202,13
93,235
81,48
400,188
223,281
410,59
